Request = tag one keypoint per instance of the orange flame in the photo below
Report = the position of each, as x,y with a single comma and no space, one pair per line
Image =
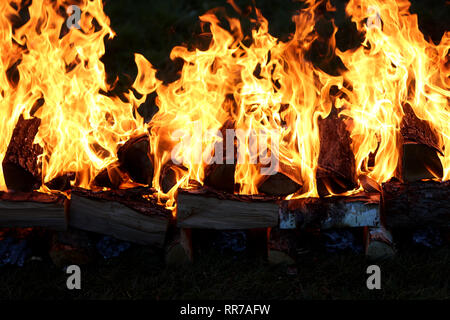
395,66
267,88
80,127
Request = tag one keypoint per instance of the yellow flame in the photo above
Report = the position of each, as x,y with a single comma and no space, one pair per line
80,127
264,86
395,66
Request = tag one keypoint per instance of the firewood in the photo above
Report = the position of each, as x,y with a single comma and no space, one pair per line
124,214
416,203
33,209
416,130
168,176
110,177
204,208
419,161
61,183
278,185
21,168
378,243
210,209
369,185
134,158
336,164
357,210
220,176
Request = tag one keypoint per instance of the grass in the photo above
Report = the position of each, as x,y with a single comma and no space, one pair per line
140,273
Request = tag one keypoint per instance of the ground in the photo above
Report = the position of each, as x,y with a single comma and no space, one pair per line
139,273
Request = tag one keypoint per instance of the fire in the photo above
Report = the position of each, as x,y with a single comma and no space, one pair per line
394,66
265,89
268,89
61,70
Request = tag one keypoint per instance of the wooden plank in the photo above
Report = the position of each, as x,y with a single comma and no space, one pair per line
138,221
33,210
202,210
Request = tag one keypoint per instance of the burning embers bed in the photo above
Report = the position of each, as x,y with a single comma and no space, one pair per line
251,134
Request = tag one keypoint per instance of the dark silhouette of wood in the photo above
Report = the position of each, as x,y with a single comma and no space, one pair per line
416,130
21,168
416,204
220,176
278,185
134,158
336,164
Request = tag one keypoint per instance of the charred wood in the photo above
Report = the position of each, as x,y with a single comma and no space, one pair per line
336,163
21,167
134,158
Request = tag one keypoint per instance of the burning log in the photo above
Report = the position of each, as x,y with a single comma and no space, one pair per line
204,208
278,185
33,210
369,185
134,158
168,179
21,167
61,183
220,176
169,174
416,130
419,154
419,161
336,164
110,177
416,203
124,214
